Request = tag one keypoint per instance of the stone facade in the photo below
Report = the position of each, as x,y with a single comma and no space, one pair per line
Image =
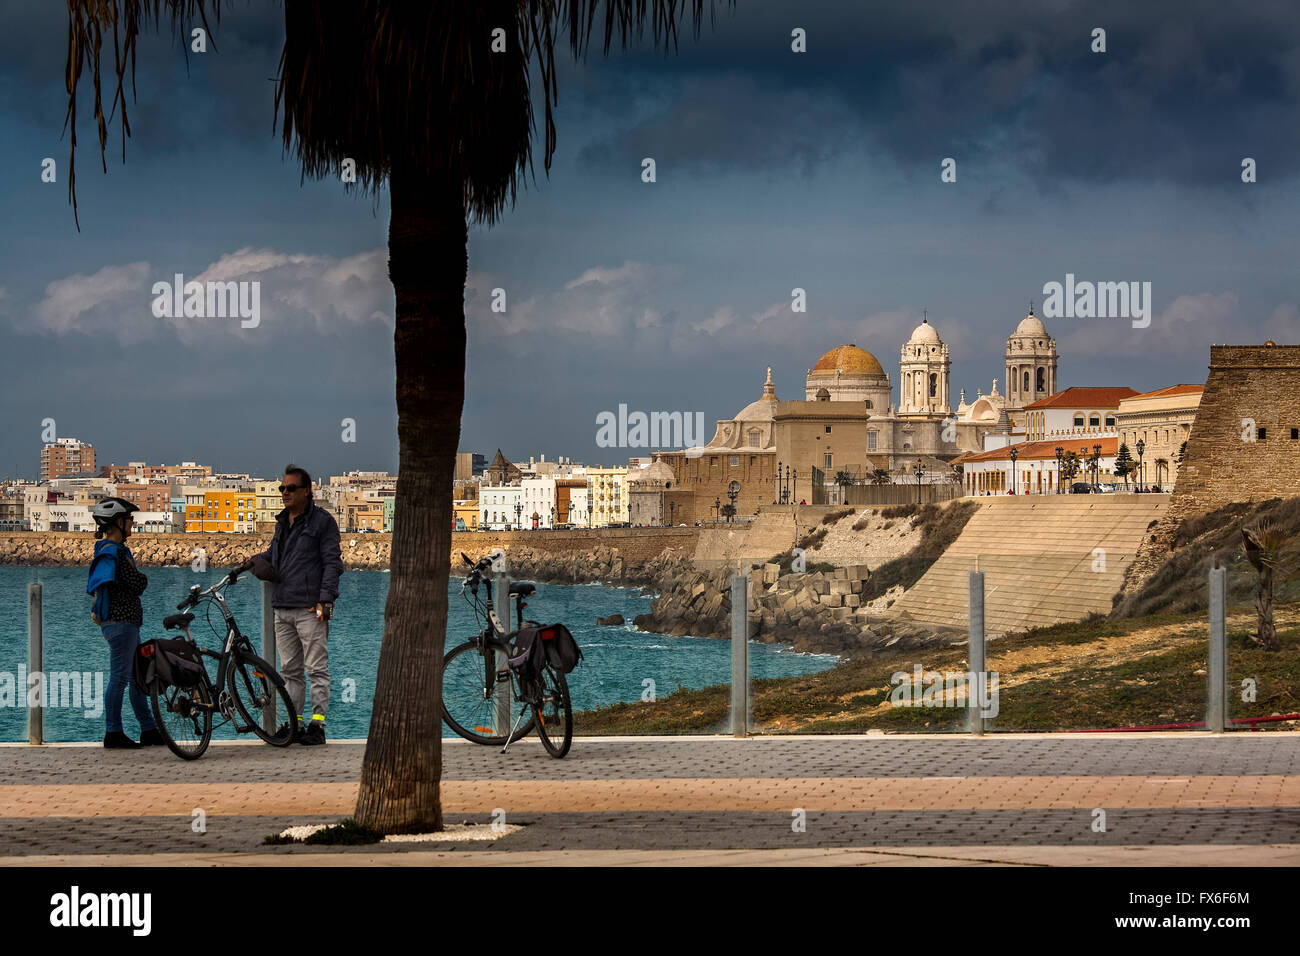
1245,442
1162,420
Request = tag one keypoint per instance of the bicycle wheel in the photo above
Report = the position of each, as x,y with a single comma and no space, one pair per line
554,712
252,687
469,701
184,717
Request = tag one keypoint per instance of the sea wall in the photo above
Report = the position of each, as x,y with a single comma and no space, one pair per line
553,555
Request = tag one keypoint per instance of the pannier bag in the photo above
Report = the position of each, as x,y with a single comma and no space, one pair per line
176,662
528,657
561,649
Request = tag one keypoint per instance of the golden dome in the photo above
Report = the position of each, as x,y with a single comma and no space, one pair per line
849,358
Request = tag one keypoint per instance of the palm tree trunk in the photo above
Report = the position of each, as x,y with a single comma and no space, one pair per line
1267,638
427,262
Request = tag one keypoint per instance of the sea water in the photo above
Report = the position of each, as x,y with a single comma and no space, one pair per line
618,661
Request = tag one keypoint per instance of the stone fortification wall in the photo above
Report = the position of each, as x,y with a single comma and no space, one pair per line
1250,387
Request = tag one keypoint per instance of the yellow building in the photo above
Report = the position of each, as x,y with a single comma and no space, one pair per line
223,510
269,504
607,490
1161,420
465,515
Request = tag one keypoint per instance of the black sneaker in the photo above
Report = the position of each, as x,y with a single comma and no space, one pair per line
313,735
151,738
119,741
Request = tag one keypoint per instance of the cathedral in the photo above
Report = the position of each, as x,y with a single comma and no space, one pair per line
848,422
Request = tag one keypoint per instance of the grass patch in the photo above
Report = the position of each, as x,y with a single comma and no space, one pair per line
813,538
1181,583
835,517
1119,691
939,529
899,511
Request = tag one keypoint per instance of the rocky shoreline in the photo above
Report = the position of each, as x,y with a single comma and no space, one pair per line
796,609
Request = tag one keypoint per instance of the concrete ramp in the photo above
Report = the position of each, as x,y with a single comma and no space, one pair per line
1040,557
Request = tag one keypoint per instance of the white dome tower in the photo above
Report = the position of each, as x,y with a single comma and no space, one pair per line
924,365
1031,362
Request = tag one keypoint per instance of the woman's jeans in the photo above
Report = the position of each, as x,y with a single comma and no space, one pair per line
123,638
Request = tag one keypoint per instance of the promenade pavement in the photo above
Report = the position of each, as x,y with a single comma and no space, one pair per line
892,800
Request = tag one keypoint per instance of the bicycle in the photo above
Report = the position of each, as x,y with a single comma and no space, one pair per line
475,703
246,686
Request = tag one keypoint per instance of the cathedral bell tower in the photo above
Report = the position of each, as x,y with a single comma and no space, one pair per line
1031,362
924,365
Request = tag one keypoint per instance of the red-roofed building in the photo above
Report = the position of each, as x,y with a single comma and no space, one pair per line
1033,469
1081,412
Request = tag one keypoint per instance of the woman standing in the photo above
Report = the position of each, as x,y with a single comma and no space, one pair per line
117,585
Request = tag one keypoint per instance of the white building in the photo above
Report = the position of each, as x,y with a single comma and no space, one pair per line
1075,415
60,516
539,501
499,506
579,507
154,522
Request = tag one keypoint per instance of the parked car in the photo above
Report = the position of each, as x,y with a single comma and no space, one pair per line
1080,488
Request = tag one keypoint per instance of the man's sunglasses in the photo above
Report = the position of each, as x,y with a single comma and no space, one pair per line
285,489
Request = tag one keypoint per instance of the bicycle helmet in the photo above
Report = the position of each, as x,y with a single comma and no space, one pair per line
109,510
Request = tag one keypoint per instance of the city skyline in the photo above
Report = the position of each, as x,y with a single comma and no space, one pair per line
775,171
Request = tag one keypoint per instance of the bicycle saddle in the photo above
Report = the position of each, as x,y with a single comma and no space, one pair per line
522,588
177,620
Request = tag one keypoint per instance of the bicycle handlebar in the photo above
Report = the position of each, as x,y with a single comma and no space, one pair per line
192,599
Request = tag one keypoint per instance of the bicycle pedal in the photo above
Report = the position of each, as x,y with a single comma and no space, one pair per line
503,677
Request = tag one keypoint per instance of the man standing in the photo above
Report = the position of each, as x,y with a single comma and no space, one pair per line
306,564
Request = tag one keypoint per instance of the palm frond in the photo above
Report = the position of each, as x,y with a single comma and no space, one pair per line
386,83
88,21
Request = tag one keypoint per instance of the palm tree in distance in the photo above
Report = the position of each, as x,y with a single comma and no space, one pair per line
1263,545
436,101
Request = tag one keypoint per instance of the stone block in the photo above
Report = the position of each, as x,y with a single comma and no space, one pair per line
841,587
832,600
855,587
822,586
841,574
841,613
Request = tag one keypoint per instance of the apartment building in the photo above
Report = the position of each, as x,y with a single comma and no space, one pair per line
65,457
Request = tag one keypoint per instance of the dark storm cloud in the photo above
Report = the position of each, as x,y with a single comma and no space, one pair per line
1184,91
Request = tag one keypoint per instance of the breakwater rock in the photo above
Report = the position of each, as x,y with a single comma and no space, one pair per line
575,559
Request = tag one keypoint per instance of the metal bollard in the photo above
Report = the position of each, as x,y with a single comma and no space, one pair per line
35,662
1216,668
268,654
975,655
739,655
501,599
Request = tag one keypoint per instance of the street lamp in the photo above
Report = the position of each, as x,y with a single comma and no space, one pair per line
717,509
1096,464
1060,453
1015,453
552,516
920,473
1141,447
780,489
672,509
733,492
519,511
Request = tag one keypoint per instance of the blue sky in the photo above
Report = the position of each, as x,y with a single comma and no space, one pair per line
775,170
